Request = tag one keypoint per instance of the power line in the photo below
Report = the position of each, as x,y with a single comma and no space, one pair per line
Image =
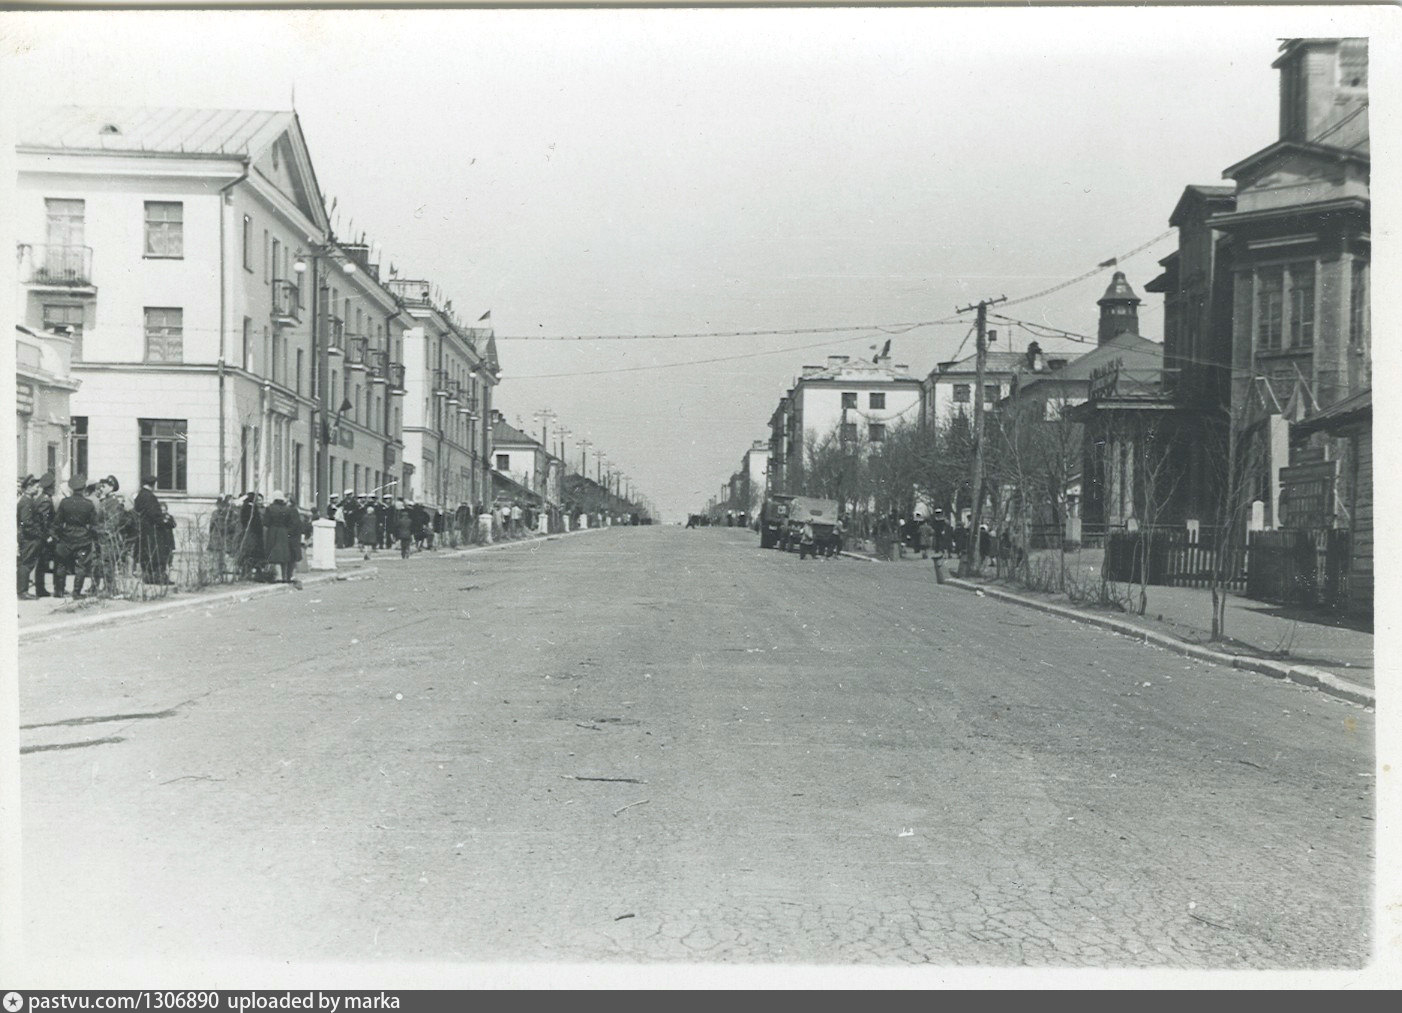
694,362
901,328
1102,266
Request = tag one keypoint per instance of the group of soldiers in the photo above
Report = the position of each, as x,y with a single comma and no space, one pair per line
89,534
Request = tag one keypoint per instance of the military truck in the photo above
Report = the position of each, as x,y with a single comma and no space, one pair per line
783,518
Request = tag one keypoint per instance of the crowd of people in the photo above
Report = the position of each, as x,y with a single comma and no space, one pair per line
91,535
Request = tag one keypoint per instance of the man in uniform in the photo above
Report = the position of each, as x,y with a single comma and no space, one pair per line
44,501
75,535
111,516
32,532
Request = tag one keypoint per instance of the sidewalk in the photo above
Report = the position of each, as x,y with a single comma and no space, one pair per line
1304,645
49,616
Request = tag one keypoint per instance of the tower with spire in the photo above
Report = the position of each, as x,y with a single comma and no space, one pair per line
1119,309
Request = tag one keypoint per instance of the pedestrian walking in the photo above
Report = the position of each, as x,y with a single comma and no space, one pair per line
925,535
941,541
404,529
985,547
250,537
165,546
807,541
282,532
75,535
368,528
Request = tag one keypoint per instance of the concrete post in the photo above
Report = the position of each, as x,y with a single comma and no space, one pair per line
323,544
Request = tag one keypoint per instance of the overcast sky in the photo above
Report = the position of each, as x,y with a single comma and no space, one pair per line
662,171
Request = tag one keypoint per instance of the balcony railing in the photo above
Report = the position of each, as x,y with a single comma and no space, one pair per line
412,292
51,264
335,335
454,392
440,382
287,301
396,378
379,366
358,355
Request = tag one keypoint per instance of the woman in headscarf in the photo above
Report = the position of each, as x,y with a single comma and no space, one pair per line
281,524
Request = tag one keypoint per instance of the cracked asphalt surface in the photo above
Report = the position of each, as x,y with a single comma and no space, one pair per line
655,745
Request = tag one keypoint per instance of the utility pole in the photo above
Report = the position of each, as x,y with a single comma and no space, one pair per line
976,474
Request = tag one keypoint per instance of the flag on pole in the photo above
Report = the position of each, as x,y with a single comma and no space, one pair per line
485,316
1109,263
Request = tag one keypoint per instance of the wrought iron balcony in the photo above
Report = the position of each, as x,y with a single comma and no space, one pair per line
287,302
358,355
440,382
336,336
396,378
45,264
411,292
454,392
379,366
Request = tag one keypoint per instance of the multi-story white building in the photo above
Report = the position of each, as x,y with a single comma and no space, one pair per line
44,383
855,401
949,388
450,371
528,463
180,246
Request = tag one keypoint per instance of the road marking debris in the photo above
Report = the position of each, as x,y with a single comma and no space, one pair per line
907,832
641,801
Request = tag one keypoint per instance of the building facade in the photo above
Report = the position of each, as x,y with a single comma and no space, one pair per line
1301,248
528,463
849,402
450,373
45,441
166,240
949,388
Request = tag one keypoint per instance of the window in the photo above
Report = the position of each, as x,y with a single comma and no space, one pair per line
849,432
279,363
248,244
266,276
876,400
163,444
503,462
277,253
248,344
78,445
961,393
990,393
165,225
165,334
65,221
1357,304
66,318
849,400
1301,278
300,364
1270,289
876,432
356,473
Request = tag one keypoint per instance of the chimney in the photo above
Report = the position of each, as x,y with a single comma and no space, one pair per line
836,360
812,370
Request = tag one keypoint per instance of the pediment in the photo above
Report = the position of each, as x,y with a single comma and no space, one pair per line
286,164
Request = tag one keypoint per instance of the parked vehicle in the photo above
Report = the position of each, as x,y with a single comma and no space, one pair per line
821,513
773,520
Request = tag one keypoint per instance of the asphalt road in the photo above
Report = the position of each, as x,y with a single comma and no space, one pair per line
656,744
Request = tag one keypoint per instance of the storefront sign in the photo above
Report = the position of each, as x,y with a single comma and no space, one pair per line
24,398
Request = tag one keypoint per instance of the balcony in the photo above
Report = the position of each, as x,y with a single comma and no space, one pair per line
396,378
335,336
358,354
411,292
379,366
47,265
287,302
440,382
454,392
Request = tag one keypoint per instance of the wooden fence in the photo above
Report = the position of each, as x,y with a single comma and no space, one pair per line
1172,559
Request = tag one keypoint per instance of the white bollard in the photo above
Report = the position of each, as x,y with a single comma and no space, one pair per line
323,544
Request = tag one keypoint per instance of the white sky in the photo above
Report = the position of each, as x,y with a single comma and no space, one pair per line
644,171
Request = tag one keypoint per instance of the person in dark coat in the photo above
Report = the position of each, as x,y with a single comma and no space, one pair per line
250,537
368,528
985,545
165,546
386,523
281,526
111,548
75,535
403,529
32,532
148,515
47,508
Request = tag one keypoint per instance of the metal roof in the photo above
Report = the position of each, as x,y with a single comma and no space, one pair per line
240,132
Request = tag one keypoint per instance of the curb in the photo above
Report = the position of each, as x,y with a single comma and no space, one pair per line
1303,675
155,609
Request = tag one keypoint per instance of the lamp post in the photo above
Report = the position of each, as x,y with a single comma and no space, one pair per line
323,528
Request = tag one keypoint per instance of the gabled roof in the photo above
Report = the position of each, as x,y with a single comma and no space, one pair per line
994,362
1198,194
505,434
1324,152
234,132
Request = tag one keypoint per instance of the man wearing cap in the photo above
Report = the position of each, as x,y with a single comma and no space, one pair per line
75,535
148,516
32,532
110,548
44,501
